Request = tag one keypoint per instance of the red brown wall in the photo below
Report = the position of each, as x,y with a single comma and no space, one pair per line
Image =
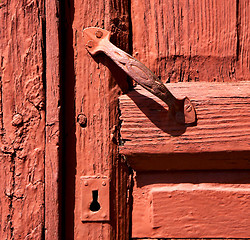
22,119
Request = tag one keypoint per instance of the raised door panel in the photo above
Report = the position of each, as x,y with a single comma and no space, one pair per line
192,40
189,204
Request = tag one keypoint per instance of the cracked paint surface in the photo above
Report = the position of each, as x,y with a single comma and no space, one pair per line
22,120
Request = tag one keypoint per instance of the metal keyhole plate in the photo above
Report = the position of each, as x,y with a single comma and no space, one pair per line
95,198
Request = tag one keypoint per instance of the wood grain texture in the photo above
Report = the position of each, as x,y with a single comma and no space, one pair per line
152,141
191,204
185,238
22,120
53,105
96,96
228,218
192,40
244,37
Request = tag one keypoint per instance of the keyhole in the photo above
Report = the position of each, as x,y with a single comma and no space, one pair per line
95,206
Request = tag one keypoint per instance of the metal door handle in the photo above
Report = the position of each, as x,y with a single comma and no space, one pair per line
97,40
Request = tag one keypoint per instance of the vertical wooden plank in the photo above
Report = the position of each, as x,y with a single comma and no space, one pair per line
193,40
53,107
244,38
96,96
22,120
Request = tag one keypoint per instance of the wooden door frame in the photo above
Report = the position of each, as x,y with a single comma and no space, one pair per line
53,132
61,122
22,119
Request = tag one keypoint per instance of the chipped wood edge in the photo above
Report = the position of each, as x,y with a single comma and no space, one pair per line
52,155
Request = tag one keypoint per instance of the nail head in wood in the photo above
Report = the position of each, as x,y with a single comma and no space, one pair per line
82,120
17,120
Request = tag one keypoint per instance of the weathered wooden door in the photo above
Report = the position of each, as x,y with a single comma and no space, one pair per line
192,181
78,162
180,41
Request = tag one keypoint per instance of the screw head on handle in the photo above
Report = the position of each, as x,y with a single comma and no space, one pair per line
189,112
188,108
93,37
90,44
99,34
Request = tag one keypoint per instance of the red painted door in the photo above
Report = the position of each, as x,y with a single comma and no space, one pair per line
195,188
83,156
190,182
